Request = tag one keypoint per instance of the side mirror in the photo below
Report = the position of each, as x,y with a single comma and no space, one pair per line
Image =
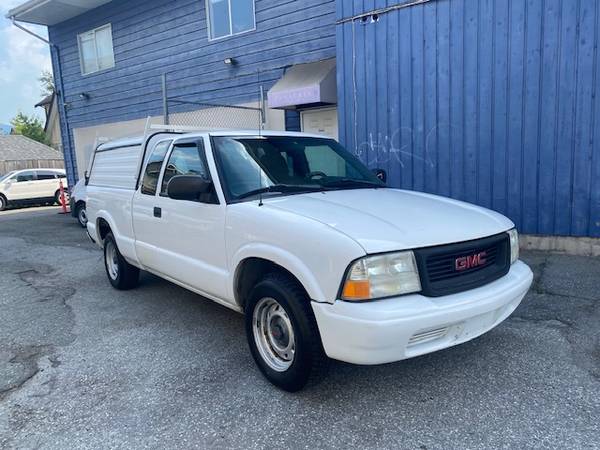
188,187
86,177
381,174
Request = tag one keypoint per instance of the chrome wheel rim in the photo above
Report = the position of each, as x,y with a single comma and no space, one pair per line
112,261
274,334
82,217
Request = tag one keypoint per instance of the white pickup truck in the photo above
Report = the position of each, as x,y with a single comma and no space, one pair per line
296,233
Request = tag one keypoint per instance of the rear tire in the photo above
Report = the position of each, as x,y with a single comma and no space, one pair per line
121,274
81,214
282,333
57,198
3,203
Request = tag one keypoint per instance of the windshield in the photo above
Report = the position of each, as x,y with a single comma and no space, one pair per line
254,165
7,176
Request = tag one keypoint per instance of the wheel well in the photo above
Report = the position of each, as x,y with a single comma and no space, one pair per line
250,271
103,228
79,203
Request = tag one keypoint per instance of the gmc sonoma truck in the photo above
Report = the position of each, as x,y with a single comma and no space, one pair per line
292,230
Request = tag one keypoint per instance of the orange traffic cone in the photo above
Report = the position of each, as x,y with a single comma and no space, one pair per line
63,200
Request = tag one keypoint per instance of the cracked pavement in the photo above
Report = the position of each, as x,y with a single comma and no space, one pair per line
85,366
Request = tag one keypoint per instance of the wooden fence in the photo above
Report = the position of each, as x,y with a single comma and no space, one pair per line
8,166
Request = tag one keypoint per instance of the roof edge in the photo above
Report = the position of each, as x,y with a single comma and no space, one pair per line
31,4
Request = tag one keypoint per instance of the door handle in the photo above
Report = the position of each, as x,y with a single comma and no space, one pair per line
157,212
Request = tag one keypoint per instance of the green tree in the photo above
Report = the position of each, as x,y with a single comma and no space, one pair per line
47,82
29,126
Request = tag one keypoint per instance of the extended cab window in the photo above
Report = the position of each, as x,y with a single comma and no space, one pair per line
185,159
152,172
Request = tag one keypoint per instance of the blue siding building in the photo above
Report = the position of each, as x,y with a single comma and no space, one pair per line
490,101
133,43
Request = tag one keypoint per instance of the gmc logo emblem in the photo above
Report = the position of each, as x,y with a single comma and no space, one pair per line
468,262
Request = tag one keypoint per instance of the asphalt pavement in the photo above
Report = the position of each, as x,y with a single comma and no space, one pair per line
85,366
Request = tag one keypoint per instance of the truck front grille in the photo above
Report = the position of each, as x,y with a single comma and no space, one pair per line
448,269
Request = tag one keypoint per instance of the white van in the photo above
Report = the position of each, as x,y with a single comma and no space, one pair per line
31,186
324,259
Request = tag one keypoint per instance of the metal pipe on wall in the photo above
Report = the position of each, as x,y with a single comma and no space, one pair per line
70,164
380,11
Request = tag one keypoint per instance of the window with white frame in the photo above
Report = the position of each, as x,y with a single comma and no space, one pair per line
229,17
96,50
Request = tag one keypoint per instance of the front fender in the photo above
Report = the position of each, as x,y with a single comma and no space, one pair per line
283,258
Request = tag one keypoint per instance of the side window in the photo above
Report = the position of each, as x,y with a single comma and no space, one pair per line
26,176
43,175
185,159
96,50
155,161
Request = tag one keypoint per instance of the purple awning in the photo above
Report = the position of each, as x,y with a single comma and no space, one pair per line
305,84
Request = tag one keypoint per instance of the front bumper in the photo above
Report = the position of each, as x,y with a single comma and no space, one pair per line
399,328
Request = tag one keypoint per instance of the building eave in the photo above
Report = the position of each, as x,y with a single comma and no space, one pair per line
52,12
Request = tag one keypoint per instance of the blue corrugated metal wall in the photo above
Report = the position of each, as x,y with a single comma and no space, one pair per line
494,102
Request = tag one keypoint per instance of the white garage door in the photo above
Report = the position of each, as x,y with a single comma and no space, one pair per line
321,121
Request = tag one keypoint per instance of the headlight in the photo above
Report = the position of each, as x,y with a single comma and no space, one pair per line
514,245
381,276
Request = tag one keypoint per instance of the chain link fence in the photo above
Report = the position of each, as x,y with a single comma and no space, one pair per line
214,116
186,112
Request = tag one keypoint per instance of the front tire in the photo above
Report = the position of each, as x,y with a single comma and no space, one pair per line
3,203
121,274
282,333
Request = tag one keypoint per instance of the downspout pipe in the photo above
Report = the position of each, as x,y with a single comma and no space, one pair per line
58,80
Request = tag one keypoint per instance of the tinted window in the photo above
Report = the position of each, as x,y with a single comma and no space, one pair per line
185,159
26,176
253,163
150,180
46,175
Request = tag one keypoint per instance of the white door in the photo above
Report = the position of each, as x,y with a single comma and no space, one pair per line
184,240
320,121
46,184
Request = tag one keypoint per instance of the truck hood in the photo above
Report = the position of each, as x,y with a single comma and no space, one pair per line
383,220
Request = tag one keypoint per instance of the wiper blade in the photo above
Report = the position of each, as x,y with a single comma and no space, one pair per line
282,188
349,182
